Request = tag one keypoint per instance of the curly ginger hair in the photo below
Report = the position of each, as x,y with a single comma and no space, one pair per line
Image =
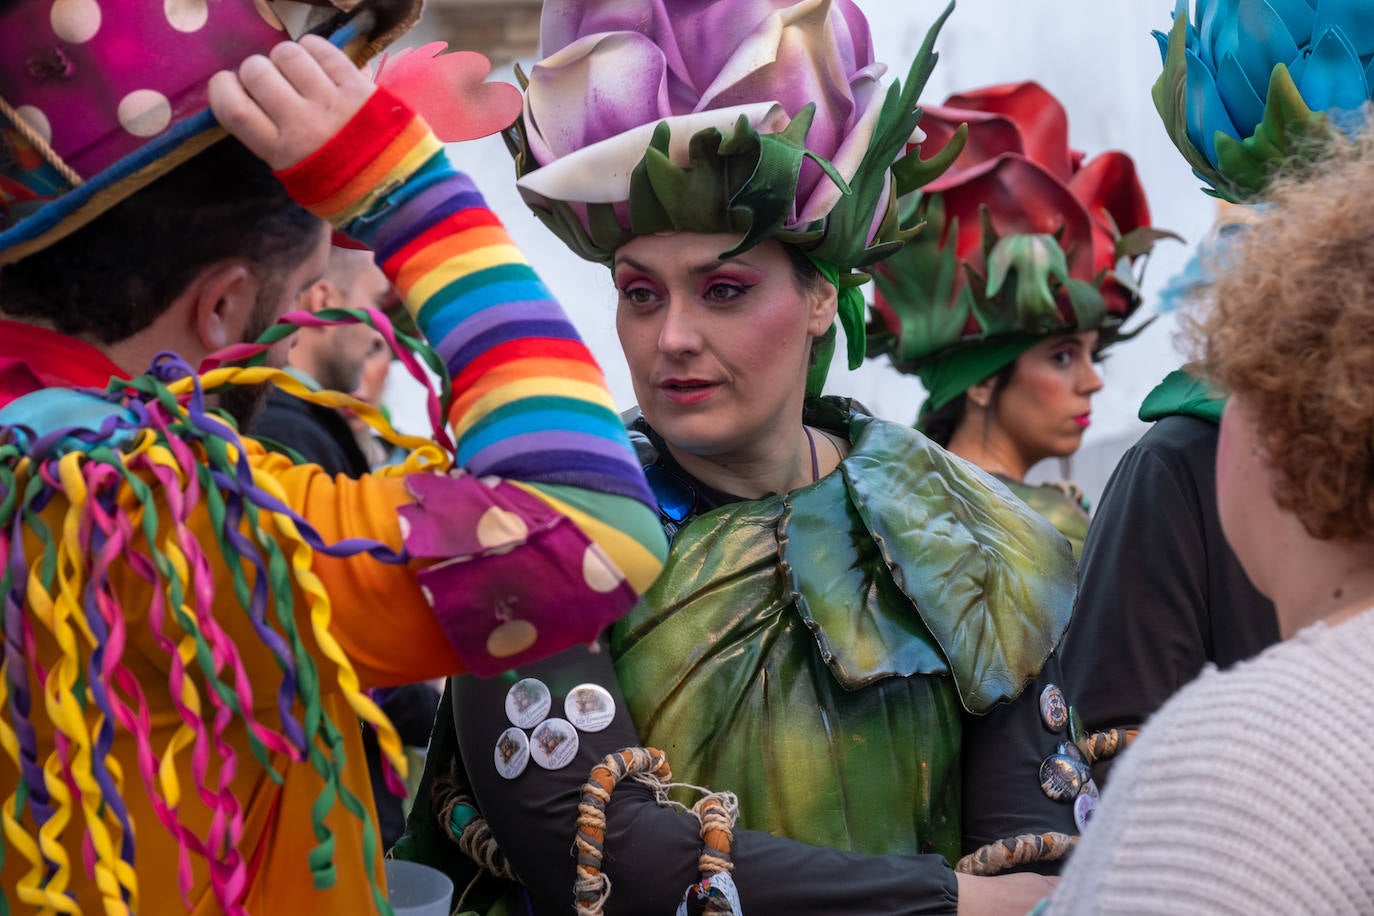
1291,332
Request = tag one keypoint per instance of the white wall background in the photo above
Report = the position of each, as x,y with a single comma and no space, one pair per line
1097,56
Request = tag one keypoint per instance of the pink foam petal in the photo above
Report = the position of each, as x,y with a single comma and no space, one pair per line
449,92
597,87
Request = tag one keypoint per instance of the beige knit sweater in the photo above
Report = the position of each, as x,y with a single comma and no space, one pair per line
1251,791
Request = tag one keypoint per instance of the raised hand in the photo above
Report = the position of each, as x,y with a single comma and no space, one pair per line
288,104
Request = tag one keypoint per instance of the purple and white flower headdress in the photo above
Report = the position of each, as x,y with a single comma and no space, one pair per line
766,118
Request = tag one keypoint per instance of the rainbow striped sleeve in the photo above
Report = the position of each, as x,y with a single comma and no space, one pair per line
529,402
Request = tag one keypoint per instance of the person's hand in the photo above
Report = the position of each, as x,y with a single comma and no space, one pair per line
288,104
1003,895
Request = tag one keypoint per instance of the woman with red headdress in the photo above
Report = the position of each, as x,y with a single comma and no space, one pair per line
1019,280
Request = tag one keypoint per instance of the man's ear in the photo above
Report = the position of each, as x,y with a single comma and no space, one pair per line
315,297
222,300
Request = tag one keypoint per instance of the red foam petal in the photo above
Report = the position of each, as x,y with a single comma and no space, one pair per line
1042,120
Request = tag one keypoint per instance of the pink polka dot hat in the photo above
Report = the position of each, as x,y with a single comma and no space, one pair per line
100,97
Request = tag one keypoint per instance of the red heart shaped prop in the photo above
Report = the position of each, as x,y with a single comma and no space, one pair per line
449,92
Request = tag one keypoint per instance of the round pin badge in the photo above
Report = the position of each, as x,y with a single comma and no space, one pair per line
512,753
553,744
1084,807
1070,750
1061,778
589,707
528,702
1053,710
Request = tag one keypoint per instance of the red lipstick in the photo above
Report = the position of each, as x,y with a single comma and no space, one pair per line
687,390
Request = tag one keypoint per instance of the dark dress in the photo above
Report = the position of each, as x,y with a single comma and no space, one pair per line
317,433
1160,592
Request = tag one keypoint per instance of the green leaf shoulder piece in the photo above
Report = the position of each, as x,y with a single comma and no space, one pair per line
992,581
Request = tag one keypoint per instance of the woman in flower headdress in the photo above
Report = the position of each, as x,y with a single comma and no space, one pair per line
1002,304
852,623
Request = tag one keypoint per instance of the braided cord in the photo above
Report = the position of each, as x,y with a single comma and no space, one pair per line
997,857
41,146
591,888
716,812
717,818
1106,744
456,811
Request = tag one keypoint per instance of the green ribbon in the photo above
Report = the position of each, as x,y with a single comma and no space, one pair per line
850,311
947,376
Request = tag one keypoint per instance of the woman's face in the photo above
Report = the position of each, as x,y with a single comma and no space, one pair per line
717,350
1046,405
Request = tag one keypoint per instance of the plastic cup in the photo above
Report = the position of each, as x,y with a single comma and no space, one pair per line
413,889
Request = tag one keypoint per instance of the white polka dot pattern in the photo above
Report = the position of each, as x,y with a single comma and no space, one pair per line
35,118
76,21
499,528
511,638
186,15
107,76
600,574
144,112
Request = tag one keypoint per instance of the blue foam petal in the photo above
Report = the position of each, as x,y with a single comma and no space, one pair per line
1216,30
1206,112
1334,77
1243,100
1267,41
1353,18
1297,15
1296,68
1163,39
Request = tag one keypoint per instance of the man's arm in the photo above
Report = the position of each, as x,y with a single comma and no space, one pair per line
551,527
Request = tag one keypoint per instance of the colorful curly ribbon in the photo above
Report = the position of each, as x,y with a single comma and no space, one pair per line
160,441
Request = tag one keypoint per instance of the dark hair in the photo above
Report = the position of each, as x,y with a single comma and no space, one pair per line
113,278
804,270
807,275
939,425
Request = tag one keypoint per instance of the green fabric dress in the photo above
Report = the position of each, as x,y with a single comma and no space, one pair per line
815,652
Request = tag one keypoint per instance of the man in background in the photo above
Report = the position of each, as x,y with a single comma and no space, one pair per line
328,358
333,358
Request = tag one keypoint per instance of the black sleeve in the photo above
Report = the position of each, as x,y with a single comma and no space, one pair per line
410,707
1002,754
286,421
1142,624
651,851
